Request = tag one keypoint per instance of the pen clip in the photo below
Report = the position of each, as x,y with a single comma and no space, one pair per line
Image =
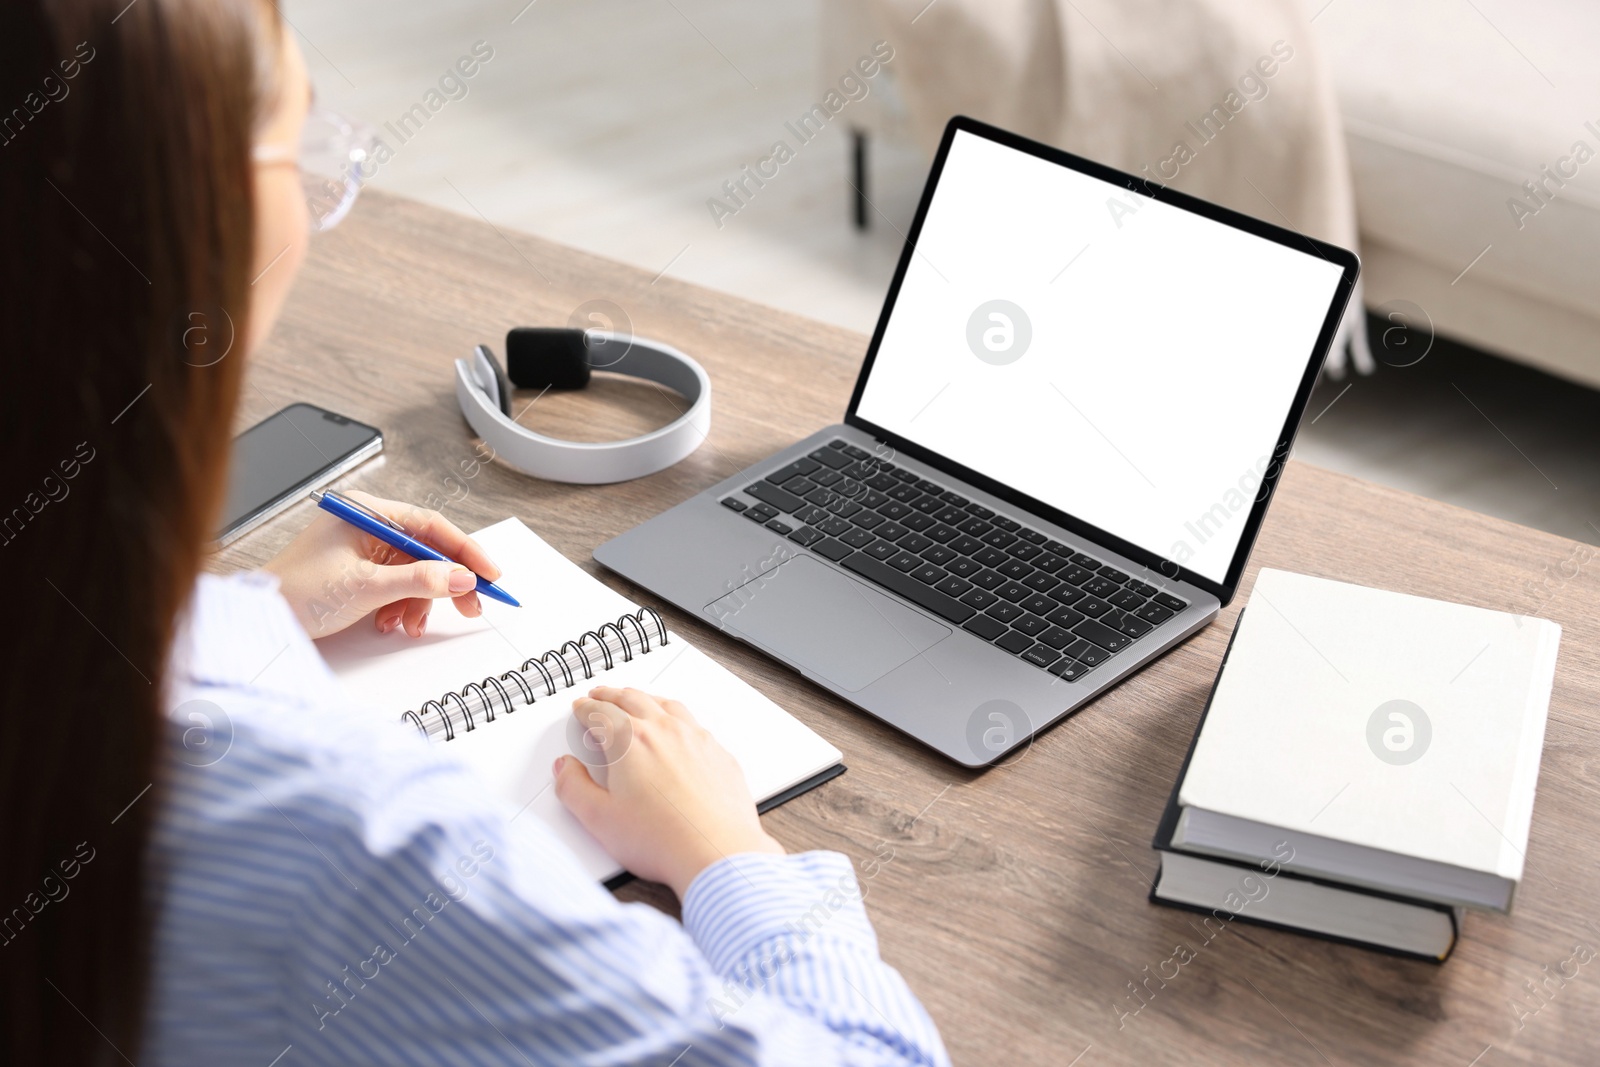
362,508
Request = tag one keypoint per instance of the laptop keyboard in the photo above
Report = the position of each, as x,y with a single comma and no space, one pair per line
1053,606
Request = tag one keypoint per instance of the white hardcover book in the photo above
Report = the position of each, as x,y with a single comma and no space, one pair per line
467,684
1393,740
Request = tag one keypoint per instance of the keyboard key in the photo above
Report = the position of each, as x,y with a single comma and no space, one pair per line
777,526
987,580
1031,625
800,466
882,482
930,487
954,498
799,486
1076,574
966,544
1009,525
857,538
1065,617
1154,614
904,561
1085,652
834,527
1014,569
1023,550
1127,600
1104,636
950,515
867,520
979,510
831,458
1067,594
1014,642
734,502
1041,655
942,533
1039,604
806,536
917,521
834,550
1067,669
998,538
1056,637
1100,587
892,531
1013,591
1041,581
844,507
835,443
894,509
939,554
761,512
915,542
854,453
811,513
978,598
1058,548
1170,602
1049,562
781,499
881,549
975,527
1005,612
1114,574
824,476
1083,560
1142,589
929,574
1128,624
985,627
964,567
953,586
872,499
990,557
1031,536
928,504
903,493
945,607
1093,607
904,475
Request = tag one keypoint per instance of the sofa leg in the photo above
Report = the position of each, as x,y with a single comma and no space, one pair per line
858,175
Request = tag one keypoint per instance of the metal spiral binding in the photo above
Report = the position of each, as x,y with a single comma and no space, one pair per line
600,649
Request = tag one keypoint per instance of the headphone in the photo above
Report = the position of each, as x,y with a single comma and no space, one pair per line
543,358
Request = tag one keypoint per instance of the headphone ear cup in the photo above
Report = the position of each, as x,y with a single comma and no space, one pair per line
493,378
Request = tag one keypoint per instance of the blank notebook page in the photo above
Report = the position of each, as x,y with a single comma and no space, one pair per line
394,673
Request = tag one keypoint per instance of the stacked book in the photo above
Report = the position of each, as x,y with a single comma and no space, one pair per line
1364,769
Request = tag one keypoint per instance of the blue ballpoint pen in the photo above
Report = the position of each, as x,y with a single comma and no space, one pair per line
391,533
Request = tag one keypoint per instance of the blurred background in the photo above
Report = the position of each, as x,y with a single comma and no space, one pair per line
1418,126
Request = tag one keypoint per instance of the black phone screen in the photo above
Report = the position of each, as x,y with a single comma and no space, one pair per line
287,453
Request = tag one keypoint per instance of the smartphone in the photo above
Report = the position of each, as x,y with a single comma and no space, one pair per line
284,457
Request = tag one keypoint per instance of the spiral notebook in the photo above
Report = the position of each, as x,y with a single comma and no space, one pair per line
497,691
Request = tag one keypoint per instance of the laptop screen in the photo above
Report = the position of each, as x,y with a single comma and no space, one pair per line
1121,359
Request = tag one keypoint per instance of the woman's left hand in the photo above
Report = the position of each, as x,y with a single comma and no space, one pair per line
333,575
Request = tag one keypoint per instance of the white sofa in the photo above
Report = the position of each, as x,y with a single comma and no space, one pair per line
1449,108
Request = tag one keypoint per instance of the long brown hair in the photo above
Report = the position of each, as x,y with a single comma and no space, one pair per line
127,225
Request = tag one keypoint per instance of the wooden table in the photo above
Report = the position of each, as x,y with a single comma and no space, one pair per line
1013,901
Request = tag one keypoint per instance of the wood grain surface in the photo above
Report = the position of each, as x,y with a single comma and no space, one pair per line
1013,900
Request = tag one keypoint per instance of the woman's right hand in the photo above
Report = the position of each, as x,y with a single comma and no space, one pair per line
675,801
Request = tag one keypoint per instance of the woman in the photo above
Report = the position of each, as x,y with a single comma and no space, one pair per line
203,869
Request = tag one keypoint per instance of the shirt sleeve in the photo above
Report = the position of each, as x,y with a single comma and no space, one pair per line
431,930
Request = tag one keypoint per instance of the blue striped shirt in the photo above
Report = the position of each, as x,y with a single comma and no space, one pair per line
330,888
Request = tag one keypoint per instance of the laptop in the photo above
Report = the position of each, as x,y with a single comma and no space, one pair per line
1079,397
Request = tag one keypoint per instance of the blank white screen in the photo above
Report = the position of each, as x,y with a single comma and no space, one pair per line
1165,353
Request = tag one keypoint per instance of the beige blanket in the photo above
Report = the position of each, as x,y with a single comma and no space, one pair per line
1224,99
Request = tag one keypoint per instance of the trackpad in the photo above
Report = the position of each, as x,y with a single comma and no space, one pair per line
827,622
